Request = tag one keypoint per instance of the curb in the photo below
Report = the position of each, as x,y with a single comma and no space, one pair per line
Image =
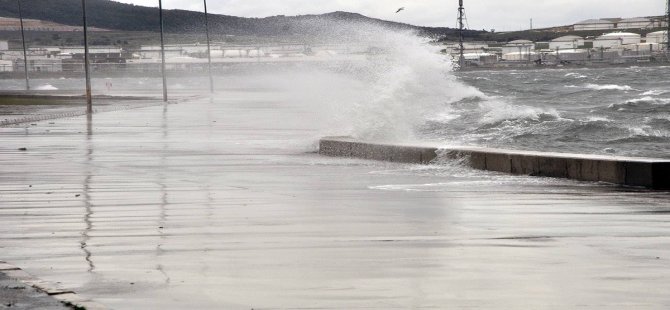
67,297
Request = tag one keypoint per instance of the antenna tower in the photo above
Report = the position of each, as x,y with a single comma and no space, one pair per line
461,27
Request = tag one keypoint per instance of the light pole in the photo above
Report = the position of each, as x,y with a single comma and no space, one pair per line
89,99
461,26
667,33
23,40
160,17
209,51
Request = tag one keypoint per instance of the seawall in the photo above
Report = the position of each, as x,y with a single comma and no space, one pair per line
629,171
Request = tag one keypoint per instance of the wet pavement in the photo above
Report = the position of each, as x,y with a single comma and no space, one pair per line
223,204
16,295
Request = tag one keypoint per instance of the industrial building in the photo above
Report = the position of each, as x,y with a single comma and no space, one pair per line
41,65
635,23
657,37
622,23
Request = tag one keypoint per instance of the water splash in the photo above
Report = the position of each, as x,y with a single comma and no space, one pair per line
46,87
405,84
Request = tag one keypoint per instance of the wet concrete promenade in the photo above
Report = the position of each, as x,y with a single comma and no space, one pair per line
223,204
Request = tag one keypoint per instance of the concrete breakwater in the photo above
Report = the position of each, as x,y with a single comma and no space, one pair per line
639,172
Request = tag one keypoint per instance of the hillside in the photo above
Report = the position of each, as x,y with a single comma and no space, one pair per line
112,15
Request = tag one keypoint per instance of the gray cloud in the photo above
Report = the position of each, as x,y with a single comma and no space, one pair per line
501,15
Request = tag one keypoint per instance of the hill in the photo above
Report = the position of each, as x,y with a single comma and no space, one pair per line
112,15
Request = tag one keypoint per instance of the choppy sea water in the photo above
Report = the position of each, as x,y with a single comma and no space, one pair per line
610,111
616,111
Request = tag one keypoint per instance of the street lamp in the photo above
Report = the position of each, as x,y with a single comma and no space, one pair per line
89,99
209,51
23,40
160,16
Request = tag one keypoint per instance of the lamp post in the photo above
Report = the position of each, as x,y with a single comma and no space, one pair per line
89,99
23,40
461,27
160,17
667,30
209,51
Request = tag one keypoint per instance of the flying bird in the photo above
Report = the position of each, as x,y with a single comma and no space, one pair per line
400,9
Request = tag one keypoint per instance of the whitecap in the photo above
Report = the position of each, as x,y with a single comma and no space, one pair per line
608,87
597,119
507,112
640,102
654,92
575,75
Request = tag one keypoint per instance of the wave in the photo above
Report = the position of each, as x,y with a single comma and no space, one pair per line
46,87
608,87
654,92
509,112
576,75
644,103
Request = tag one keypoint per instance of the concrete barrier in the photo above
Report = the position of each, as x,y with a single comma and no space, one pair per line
639,172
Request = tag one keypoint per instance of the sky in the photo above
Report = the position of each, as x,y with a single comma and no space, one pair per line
500,15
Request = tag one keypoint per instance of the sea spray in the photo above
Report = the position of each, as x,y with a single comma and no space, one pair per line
403,83
385,92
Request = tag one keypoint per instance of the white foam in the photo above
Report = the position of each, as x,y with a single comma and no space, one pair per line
644,101
654,92
608,87
597,119
576,75
501,111
46,87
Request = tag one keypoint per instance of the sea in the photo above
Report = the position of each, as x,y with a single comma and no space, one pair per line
411,92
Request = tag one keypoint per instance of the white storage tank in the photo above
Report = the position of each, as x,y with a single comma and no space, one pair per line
518,46
566,42
616,39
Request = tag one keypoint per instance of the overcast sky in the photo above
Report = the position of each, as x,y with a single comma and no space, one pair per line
482,14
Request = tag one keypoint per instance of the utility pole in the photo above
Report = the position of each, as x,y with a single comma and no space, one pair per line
209,51
461,27
23,40
160,17
531,24
667,34
89,99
